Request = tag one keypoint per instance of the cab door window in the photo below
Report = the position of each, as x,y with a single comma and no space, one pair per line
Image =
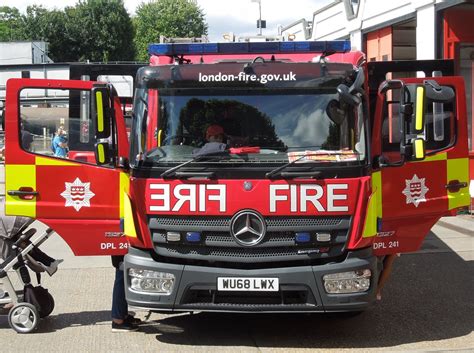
57,123
440,129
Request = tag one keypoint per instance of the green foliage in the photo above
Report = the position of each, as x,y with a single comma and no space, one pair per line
99,30
170,18
10,23
42,24
96,30
102,30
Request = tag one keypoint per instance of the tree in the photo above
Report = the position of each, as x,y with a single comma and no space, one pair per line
10,22
42,24
96,30
170,18
99,30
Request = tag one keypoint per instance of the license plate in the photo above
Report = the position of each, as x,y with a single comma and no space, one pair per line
247,284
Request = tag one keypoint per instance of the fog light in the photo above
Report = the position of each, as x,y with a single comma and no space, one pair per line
347,282
2,293
173,236
151,281
323,237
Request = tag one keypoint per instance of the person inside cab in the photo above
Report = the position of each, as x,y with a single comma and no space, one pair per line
215,137
215,133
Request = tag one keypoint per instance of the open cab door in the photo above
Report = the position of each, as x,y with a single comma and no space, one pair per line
420,148
63,163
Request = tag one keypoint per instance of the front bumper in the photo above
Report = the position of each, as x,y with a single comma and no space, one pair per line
301,288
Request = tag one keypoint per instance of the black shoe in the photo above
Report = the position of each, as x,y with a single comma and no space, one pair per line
133,320
53,267
124,327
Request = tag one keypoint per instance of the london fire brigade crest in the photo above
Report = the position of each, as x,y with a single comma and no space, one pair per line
415,190
77,194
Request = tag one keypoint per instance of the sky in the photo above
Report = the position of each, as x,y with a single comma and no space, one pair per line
222,16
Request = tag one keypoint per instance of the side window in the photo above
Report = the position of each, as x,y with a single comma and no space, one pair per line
440,129
57,123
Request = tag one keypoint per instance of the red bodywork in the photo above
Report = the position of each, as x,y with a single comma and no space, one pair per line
96,230
93,230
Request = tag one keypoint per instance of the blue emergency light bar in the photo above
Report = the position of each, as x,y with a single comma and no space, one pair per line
174,49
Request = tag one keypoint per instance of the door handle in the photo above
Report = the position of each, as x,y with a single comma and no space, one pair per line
24,193
455,185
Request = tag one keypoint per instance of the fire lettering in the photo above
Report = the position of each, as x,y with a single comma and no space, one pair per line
187,195
309,196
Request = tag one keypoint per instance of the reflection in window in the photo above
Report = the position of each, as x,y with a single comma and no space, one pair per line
57,123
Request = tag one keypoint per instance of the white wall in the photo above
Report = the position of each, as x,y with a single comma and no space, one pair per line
17,53
14,53
331,22
297,30
54,72
425,33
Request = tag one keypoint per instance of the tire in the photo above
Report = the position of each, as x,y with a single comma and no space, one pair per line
47,306
23,318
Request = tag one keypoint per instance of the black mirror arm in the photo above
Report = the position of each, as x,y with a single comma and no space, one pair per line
383,164
123,163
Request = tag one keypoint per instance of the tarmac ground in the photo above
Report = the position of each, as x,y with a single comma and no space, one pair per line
427,306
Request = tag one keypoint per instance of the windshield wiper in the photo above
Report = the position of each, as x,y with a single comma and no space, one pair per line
299,174
173,171
288,175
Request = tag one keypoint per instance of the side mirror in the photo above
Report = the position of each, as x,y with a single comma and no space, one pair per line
437,93
335,112
420,103
102,110
102,153
346,96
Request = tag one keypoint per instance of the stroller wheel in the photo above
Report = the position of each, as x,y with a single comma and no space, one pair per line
47,305
23,318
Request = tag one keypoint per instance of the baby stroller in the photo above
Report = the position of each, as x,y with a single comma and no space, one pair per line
19,252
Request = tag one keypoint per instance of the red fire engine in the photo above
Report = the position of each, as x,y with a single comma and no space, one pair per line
268,176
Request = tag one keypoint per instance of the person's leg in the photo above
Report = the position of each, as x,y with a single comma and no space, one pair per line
119,304
40,256
385,274
49,264
121,321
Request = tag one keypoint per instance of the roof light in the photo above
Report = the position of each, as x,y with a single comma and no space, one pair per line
172,49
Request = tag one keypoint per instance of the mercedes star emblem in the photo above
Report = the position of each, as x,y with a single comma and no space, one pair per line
248,185
248,228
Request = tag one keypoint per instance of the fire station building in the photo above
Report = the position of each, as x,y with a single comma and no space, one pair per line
401,30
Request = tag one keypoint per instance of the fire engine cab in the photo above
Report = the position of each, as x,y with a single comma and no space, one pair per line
257,176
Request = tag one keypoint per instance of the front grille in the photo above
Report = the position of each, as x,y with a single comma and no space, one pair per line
278,223
190,222
288,296
279,244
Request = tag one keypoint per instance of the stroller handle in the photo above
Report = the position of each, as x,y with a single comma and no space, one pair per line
25,236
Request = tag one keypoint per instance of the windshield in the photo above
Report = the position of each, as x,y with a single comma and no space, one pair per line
256,126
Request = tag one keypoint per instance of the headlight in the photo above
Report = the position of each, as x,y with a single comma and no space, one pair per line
347,282
151,281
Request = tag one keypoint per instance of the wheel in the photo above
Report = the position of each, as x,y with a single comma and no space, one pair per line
23,318
47,306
